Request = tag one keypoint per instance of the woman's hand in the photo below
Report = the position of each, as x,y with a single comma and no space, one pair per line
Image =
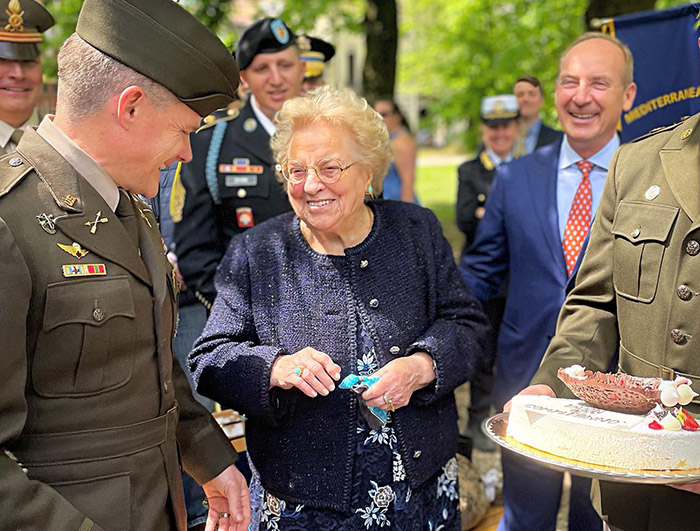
309,370
398,380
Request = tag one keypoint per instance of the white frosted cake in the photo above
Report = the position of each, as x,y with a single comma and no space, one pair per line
575,430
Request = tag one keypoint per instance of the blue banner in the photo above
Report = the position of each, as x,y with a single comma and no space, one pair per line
666,66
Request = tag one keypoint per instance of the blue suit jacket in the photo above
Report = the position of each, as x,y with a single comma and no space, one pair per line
519,236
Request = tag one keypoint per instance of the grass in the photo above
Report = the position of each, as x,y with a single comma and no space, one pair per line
436,187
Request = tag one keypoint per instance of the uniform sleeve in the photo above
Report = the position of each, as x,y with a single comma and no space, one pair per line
197,238
24,503
485,264
587,332
228,363
206,451
466,203
457,337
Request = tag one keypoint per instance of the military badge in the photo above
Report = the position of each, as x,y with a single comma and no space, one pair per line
47,222
685,134
145,218
279,31
93,224
83,270
652,192
244,216
15,16
70,200
74,250
240,165
250,125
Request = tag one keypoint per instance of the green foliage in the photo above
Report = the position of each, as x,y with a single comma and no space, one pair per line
475,48
212,13
301,15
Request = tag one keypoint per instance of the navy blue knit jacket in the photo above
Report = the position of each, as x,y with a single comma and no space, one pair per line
276,296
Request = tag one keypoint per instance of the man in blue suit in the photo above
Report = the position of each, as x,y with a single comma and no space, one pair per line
534,230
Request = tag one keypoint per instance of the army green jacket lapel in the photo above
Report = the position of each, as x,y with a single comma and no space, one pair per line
75,206
680,158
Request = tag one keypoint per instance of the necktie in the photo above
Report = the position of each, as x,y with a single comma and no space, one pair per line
16,136
126,214
579,220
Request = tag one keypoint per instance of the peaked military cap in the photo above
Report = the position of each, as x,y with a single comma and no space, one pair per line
499,109
267,35
161,40
315,53
22,23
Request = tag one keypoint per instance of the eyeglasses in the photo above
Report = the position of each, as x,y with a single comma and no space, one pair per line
328,171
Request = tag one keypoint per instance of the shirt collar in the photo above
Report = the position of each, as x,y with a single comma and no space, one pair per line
264,120
534,129
6,129
83,163
568,157
497,161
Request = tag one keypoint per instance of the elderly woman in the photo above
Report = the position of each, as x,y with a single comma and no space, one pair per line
343,288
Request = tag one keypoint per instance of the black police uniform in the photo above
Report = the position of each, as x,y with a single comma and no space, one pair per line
230,185
475,178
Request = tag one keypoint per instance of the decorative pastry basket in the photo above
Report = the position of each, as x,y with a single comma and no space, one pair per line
616,392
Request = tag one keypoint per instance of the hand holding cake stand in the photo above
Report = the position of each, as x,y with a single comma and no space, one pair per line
625,428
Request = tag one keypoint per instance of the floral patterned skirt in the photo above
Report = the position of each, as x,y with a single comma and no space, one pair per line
381,496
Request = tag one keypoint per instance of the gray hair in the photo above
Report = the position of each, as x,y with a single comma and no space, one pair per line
628,72
340,108
87,78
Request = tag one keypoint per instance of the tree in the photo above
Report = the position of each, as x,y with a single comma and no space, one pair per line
613,8
381,30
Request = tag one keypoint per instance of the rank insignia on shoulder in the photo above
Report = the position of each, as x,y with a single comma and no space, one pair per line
250,125
244,216
70,200
47,222
75,249
83,270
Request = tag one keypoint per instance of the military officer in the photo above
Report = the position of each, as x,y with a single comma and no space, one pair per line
231,183
96,420
315,53
635,296
499,132
23,22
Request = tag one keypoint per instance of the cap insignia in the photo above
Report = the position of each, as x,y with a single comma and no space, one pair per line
15,13
279,30
303,43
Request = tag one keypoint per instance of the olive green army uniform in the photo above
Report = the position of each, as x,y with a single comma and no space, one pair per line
90,397
638,292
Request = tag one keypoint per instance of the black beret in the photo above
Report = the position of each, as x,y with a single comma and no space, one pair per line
267,35
22,23
162,41
315,53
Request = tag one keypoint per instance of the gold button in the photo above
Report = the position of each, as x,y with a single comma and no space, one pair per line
684,292
98,314
692,247
678,336
241,193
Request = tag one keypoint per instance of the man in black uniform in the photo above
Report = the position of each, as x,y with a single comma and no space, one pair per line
499,132
231,185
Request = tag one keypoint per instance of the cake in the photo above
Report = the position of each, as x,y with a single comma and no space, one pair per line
573,429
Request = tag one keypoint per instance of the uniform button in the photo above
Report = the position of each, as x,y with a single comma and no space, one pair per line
636,233
241,193
15,161
98,314
363,264
416,454
678,336
394,350
684,292
374,303
692,247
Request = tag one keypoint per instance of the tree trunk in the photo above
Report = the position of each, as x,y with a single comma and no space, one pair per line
381,29
613,8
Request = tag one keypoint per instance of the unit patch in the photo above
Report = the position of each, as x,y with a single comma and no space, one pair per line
244,216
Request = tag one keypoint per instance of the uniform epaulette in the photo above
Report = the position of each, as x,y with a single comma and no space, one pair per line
661,129
222,115
13,168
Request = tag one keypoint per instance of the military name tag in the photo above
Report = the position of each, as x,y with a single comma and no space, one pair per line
83,270
232,181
